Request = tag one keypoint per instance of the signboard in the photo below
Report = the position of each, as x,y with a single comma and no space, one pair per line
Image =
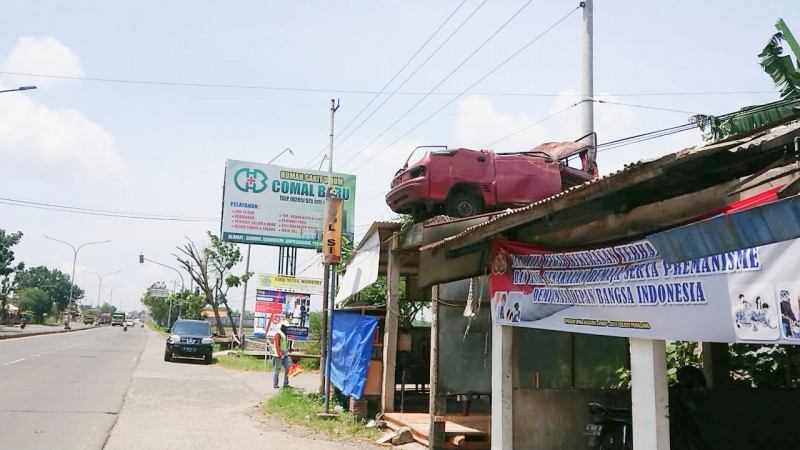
332,234
159,293
749,295
274,205
295,333
287,283
271,302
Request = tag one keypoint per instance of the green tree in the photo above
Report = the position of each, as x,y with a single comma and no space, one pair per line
107,308
375,294
36,301
786,76
210,267
193,305
158,306
780,67
54,282
7,268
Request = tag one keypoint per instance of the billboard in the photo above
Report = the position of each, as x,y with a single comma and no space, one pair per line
275,205
750,295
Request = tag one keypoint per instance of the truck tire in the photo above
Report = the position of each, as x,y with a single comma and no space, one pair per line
463,205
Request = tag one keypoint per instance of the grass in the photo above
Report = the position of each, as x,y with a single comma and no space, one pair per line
294,407
243,362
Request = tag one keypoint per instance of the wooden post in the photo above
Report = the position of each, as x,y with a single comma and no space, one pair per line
649,394
438,403
390,327
502,387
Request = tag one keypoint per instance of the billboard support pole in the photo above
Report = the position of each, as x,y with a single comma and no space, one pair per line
244,300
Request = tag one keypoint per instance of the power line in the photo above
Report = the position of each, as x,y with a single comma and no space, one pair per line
532,125
100,212
452,72
644,137
360,92
608,102
377,94
471,86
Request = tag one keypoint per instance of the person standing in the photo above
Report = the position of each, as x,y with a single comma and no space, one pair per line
281,356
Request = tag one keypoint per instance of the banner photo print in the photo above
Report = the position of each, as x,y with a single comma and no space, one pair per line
749,295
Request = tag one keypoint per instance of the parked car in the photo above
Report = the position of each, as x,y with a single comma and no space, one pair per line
190,339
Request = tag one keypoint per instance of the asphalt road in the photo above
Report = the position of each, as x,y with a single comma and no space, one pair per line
65,390
104,388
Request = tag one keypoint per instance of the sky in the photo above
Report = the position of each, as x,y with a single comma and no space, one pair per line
139,104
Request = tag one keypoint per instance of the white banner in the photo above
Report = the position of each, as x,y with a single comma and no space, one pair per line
750,295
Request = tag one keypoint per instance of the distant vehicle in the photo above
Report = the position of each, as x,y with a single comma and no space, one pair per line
88,319
461,182
117,318
104,319
190,338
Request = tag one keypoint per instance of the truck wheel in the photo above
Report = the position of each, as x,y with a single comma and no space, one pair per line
167,356
463,205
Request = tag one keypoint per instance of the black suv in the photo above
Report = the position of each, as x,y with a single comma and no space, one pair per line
190,338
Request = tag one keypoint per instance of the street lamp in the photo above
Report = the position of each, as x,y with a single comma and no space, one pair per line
75,257
100,277
111,299
142,259
21,88
287,149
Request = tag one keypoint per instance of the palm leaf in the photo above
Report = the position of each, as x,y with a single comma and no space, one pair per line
780,67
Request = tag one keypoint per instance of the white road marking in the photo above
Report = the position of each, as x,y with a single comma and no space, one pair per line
15,361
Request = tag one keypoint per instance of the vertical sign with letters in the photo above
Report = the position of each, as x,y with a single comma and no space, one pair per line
332,232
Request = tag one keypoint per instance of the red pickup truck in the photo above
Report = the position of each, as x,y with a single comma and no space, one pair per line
461,182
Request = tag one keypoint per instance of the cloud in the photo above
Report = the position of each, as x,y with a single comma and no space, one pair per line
42,55
59,143
481,125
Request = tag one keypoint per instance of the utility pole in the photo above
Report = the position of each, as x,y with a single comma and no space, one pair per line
587,109
330,274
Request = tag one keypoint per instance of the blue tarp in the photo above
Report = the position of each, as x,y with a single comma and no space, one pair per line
351,347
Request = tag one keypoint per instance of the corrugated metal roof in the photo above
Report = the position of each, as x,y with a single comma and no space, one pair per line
646,176
761,225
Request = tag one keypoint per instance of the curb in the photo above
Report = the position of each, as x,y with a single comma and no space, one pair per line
41,333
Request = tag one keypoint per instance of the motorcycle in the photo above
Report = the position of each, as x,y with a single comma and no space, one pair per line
22,324
142,324
124,328
610,428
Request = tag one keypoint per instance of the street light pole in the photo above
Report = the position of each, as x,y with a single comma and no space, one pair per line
21,88
111,299
100,277
74,259
142,259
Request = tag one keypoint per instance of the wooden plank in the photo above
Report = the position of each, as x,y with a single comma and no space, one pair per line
437,405
390,327
467,425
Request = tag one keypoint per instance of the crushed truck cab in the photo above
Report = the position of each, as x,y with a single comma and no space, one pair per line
462,182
